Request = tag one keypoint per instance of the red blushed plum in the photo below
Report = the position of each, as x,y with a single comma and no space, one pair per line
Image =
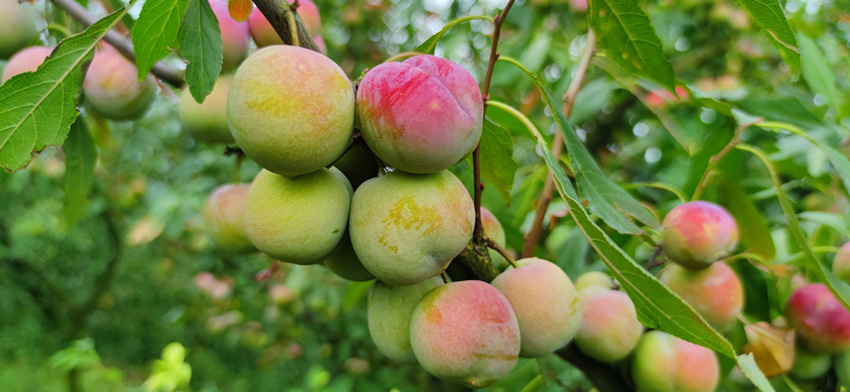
545,303
465,332
494,231
841,263
18,26
224,216
234,36
422,115
609,328
295,124
698,233
716,293
112,88
665,363
265,35
26,60
821,322
388,312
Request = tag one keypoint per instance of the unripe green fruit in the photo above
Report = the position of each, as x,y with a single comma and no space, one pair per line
207,121
112,87
494,231
698,233
224,215
593,278
26,60
291,109
298,220
407,227
358,165
18,26
465,332
609,329
716,293
545,303
344,262
389,312
665,363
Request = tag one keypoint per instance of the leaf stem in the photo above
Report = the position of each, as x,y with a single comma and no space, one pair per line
498,248
558,146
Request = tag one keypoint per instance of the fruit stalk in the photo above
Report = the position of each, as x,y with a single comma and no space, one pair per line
160,69
276,13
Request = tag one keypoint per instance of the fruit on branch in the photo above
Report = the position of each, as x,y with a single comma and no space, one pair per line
234,36
358,165
698,233
465,332
298,220
593,279
224,216
406,227
809,364
422,115
265,35
716,293
26,60
494,231
18,26
665,363
545,303
112,88
207,121
841,263
609,328
821,321
389,311
291,109
345,264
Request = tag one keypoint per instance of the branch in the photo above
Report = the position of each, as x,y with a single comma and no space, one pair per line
712,162
276,12
601,374
558,146
160,69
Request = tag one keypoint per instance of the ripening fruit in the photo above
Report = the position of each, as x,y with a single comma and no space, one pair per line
224,216
809,365
389,312
494,231
698,233
265,35
234,36
821,321
298,220
407,227
421,115
112,88
207,121
593,279
665,363
27,60
716,293
18,26
545,303
291,109
345,264
841,263
609,328
465,332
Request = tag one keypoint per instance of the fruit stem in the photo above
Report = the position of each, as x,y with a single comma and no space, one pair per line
493,245
445,277
712,162
558,145
277,13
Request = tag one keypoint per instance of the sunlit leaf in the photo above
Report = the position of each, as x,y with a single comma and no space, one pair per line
770,17
156,31
748,365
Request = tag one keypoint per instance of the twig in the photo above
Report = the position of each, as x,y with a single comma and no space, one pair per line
276,12
712,162
160,69
654,261
493,245
558,146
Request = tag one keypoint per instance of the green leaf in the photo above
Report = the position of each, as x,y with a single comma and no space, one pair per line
768,15
38,108
748,365
757,299
200,43
656,305
80,159
430,44
356,290
156,31
751,224
626,35
817,72
840,289
497,163
607,200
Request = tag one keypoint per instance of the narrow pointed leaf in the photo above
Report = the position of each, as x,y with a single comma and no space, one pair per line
200,43
430,44
748,365
156,31
768,15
